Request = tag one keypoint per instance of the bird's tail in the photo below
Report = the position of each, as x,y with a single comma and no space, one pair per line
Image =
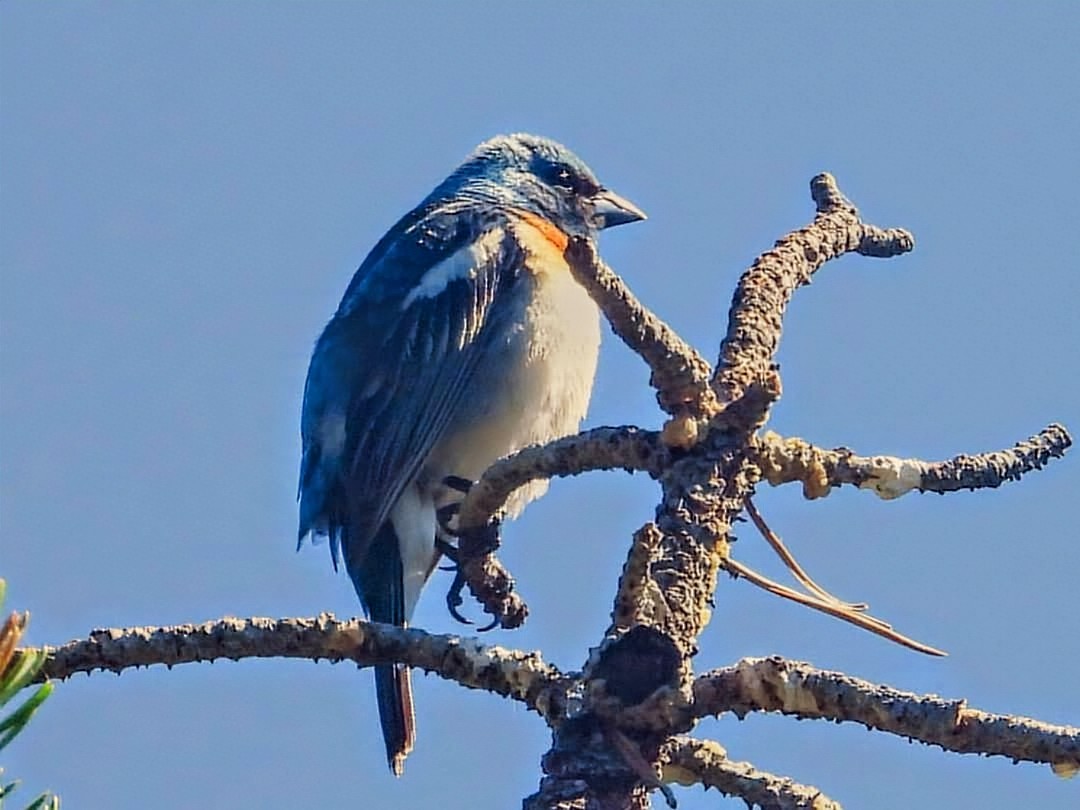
380,583
393,689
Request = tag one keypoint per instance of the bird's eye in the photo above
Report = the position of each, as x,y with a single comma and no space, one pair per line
564,180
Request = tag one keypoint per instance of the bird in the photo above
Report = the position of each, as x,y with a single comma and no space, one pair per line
461,338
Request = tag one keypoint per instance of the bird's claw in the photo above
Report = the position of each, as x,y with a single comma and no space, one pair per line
481,545
454,598
444,515
448,550
454,601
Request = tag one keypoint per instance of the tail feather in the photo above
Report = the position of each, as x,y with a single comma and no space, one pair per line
379,583
393,688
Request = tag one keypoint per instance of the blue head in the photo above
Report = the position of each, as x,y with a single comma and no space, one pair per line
544,177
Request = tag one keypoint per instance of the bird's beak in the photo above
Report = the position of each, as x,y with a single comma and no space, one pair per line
610,210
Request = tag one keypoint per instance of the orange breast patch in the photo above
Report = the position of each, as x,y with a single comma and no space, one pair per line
547,229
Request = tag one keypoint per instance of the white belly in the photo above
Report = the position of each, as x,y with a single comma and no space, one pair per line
540,392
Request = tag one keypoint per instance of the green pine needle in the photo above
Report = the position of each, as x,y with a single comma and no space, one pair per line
19,669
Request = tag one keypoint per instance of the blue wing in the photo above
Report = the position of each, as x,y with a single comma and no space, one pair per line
389,371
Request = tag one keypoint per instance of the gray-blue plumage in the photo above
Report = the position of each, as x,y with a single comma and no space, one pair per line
461,338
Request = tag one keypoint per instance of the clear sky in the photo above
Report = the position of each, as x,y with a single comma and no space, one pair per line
186,190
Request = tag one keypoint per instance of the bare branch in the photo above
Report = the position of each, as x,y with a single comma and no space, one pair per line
703,762
783,460
603,448
510,673
679,374
776,685
755,320
638,599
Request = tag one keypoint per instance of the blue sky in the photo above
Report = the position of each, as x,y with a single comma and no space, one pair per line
186,190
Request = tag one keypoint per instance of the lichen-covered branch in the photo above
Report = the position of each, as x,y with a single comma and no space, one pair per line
671,574
791,687
638,599
703,762
511,673
679,374
783,460
703,493
604,448
755,320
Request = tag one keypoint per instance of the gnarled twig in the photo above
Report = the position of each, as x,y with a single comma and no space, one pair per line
702,762
791,687
755,321
511,673
783,460
604,448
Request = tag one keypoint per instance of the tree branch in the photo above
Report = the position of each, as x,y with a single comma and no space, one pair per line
604,448
783,460
639,676
511,673
638,599
755,320
703,762
790,687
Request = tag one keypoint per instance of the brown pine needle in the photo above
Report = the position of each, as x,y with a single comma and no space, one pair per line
788,559
631,755
863,620
10,633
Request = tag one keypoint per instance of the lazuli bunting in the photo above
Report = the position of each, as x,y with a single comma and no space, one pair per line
462,338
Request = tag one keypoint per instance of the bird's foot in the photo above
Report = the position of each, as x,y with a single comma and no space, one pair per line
480,544
454,599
